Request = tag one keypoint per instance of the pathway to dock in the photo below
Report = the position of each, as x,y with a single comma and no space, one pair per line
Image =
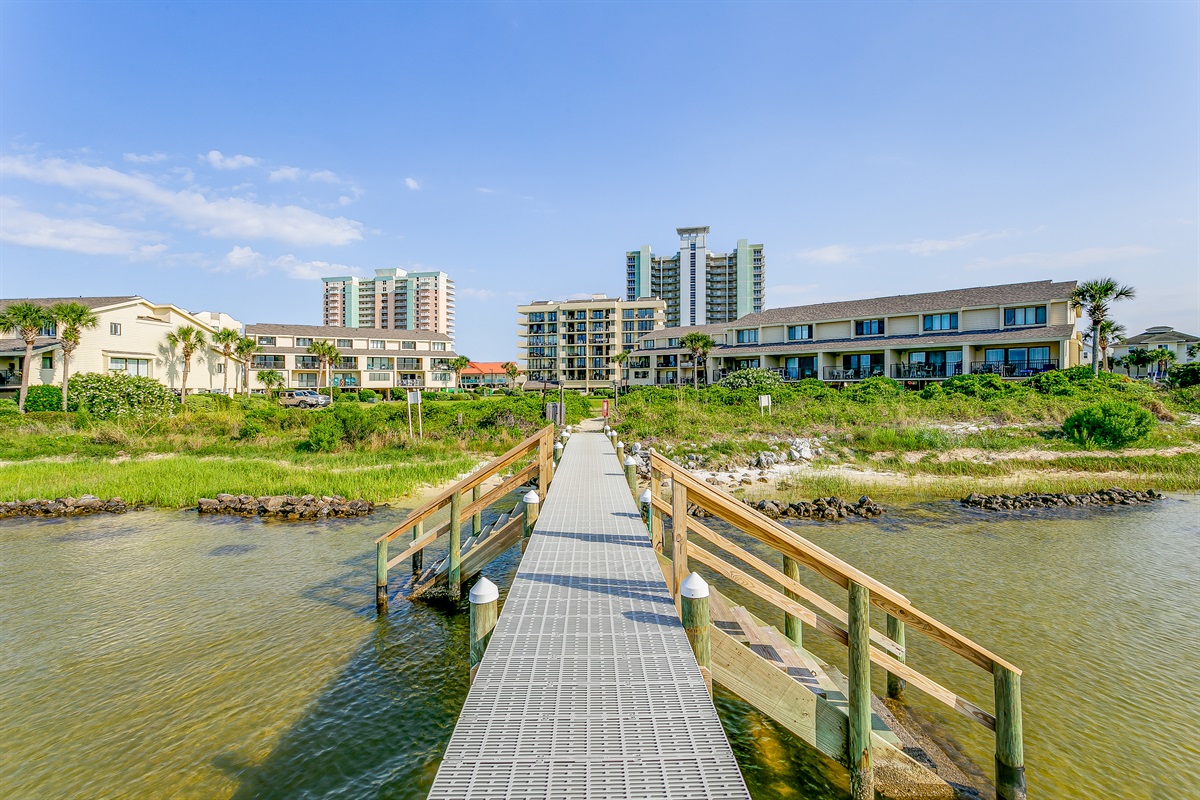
589,688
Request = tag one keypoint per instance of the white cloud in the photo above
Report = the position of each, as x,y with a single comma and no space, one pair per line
296,174
412,184
221,217
1068,260
840,253
285,174
21,226
324,176
148,158
483,190
216,159
246,259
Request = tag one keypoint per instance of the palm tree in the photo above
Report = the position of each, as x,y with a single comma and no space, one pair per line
271,379
1110,332
227,339
188,339
1094,298
459,364
327,355
243,349
27,321
1161,358
511,371
71,319
1193,350
698,344
619,358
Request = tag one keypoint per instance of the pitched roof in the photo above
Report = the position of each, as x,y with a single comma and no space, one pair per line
90,302
485,368
10,347
1159,336
948,300
948,339
681,331
330,331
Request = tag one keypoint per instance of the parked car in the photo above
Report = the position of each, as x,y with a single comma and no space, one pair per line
303,398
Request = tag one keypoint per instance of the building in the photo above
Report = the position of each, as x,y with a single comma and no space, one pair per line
573,342
1185,346
130,338
485,374
370,359
1013,330
393,300
700,287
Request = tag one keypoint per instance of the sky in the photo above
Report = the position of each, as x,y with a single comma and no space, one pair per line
224,156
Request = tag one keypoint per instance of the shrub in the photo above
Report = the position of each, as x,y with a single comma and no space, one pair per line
249,430
1109,424
874,388
326,435
120,395
933,391
982,386
1181,376
356,424
9,410
1055,383
761,380
331,391
368,395
812,387
43,398
346,397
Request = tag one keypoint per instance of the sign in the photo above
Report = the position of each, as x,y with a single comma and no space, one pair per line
414,397
764,404
606,409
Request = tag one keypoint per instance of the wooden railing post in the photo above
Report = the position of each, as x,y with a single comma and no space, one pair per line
679,517
381,577
545,465
1010,750
895,632
656,516
484,602
858,750
454,573
791,623
418,558
694,613
477,517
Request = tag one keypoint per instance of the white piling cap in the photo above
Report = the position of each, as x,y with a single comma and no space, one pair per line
693,587
620,444
558,445
630,461
531,498
484,591
646,497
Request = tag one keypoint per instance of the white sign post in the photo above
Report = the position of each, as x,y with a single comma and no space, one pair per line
414,398
764,405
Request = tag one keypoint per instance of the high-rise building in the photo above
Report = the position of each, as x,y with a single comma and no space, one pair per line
394,299
700,287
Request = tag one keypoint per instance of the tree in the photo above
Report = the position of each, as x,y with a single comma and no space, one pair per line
1138,357
243,350
226,339
1110,332
698,344
271,379
189,339
1093,298
1162,357
71,319
459,364
619,359
1193,350
511,371
27,321
327,355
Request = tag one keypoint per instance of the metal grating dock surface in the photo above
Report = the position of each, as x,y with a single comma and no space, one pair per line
589,688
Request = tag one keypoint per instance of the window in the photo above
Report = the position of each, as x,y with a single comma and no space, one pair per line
307,362
440,377
627,313
47,330
645,325
267,341
303,341
798,332
340,343
220,368
48,361
1029,315
868,327
114,329
376,344
437,345
747,336
672,343
941,322
408,345
537,316
130,366
378,376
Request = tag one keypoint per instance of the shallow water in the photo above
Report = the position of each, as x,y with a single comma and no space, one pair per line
158,654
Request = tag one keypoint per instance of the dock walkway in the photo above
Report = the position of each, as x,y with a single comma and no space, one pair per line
589,688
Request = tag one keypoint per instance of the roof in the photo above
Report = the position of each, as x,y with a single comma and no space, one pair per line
1158,335
949,300
90,302
10,347
333,332
683,330
359,351
950,338
485,368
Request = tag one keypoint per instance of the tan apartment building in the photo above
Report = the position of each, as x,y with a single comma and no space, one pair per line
130,338
383,360
1013,330
394,299
572,342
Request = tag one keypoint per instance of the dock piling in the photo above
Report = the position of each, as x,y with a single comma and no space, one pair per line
791,623
895,632
558,450
418,558
693,593
532,504
858,749
454,572
631,474
477,518
620,452
645,500
1010,750
381,577
484,598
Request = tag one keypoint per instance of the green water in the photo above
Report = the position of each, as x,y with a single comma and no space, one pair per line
162,655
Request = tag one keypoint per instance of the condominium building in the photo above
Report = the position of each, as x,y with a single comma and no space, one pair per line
700,287
130,337
370,359
573,342
1014,331
394,299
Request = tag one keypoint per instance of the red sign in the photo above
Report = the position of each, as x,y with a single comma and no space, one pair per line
606,409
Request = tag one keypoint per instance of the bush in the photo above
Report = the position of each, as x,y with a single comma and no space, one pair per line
933,391
1109,424
874,388
119,395
812,387
9,410
761,380
356,424
368,395
43,398
249,430
331,391
346,397
982,386
325,436
1055,383
1181,376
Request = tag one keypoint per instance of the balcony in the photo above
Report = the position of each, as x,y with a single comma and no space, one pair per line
268,362
1013,369
839,374
923,372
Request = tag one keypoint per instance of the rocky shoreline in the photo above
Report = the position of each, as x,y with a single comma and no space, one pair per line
1029,500
285,506
827,509
65,507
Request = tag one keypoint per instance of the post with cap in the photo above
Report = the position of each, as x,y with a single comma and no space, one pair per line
558,448
646,499
532,505
693,594
631,474
620,452
381,577
484,601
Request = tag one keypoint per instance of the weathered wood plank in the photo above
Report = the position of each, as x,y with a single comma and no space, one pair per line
420,543
499,492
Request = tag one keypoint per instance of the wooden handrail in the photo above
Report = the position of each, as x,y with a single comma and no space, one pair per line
424,512
770,532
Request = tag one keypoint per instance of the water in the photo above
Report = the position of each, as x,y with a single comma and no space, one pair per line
159,654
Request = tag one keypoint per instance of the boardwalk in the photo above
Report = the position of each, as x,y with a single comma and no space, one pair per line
589,688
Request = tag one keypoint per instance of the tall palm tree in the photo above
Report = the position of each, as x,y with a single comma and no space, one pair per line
271,379
459,364
1138,357
243,350
1094,298
511,371
698,344
189,339
1161,357
1110,331
71,319
26,320
226,339
619,358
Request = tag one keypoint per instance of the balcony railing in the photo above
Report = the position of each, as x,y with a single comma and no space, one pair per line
1013,369
851,373
267,363
920,372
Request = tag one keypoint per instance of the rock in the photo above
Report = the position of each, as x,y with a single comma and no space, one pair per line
1031,500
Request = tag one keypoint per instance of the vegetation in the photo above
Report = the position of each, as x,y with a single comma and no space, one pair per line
1184,375
459,364
188,339
71,319
699,345
1094,298
244,350
1111,424
43,398
226,339
120,395
26,320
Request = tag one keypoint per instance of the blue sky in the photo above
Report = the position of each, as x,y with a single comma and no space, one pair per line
225,156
